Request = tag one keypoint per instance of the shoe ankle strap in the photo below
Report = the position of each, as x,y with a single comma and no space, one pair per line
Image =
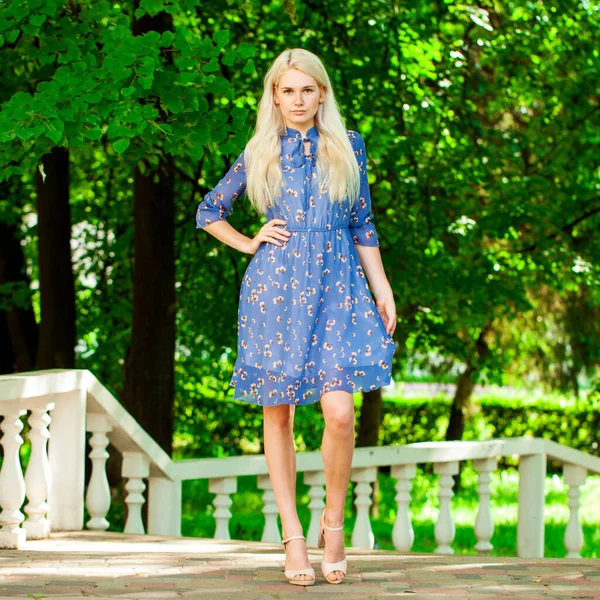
333,528
294,537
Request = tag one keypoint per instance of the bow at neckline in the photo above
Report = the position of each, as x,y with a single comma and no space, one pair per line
298,158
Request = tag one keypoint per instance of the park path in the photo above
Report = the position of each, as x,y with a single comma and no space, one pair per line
114,565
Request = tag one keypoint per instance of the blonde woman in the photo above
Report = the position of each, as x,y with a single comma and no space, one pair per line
308,327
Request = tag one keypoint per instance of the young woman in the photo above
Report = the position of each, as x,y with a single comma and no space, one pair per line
308,327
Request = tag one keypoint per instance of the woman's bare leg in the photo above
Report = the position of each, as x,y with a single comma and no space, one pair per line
337,449
280,454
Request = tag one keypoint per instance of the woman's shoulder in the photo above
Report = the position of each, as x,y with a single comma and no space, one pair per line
355,138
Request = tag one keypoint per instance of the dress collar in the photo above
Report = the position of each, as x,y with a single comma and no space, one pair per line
312,133
298,158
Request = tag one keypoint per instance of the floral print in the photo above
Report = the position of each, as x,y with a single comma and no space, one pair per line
307,322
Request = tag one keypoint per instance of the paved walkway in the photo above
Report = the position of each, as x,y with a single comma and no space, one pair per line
113,565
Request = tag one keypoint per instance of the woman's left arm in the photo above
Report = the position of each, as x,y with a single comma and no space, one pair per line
366,241
370,260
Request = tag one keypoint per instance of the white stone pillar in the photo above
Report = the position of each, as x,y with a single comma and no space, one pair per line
271,530
316,493
12,484
530,525
38,477
403,535
136,467
362,536
574,477
223,487
444,528
484,524
66,454
164,506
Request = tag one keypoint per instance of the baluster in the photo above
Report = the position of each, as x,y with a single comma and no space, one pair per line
12,484
223,487
316,493
362,536
97,496
38,477
403,535
484,524
271,530
574,477
444,528
135,468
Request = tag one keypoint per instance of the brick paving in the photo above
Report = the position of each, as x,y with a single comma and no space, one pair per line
114,565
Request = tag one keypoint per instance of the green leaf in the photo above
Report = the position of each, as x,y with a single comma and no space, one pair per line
128,91
211,66
229,58
166,39
93,134
249,67
12,36
175,105
221,37
37,20
246,50
54,130
121,145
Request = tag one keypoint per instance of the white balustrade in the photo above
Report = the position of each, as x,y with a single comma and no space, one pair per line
362,536
135,469
12,484
484,524
97,497
403,535
64,404
223,487
574,477
271,530
38,477
316,493
444,529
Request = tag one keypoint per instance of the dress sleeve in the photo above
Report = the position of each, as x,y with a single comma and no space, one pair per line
361,218
217,204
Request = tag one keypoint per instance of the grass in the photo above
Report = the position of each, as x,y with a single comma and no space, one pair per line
247,519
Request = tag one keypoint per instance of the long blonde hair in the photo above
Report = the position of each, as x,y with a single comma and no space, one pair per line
339,176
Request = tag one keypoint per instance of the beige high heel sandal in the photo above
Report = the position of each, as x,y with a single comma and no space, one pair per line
326,567
290,573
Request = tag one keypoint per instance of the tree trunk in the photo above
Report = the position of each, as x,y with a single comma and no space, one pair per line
371,415
370,418
150,362
7,359
20,332
461,403
149,382
57,289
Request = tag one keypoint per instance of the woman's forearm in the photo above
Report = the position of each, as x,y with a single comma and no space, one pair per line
370,260
224,232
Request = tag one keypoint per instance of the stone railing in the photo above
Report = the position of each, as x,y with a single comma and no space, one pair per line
64,404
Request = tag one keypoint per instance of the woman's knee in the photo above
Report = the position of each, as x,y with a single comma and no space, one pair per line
279,417
340,418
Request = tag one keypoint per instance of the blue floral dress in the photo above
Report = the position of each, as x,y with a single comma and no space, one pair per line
307,322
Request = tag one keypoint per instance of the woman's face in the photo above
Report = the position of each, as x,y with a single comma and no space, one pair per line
298,97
